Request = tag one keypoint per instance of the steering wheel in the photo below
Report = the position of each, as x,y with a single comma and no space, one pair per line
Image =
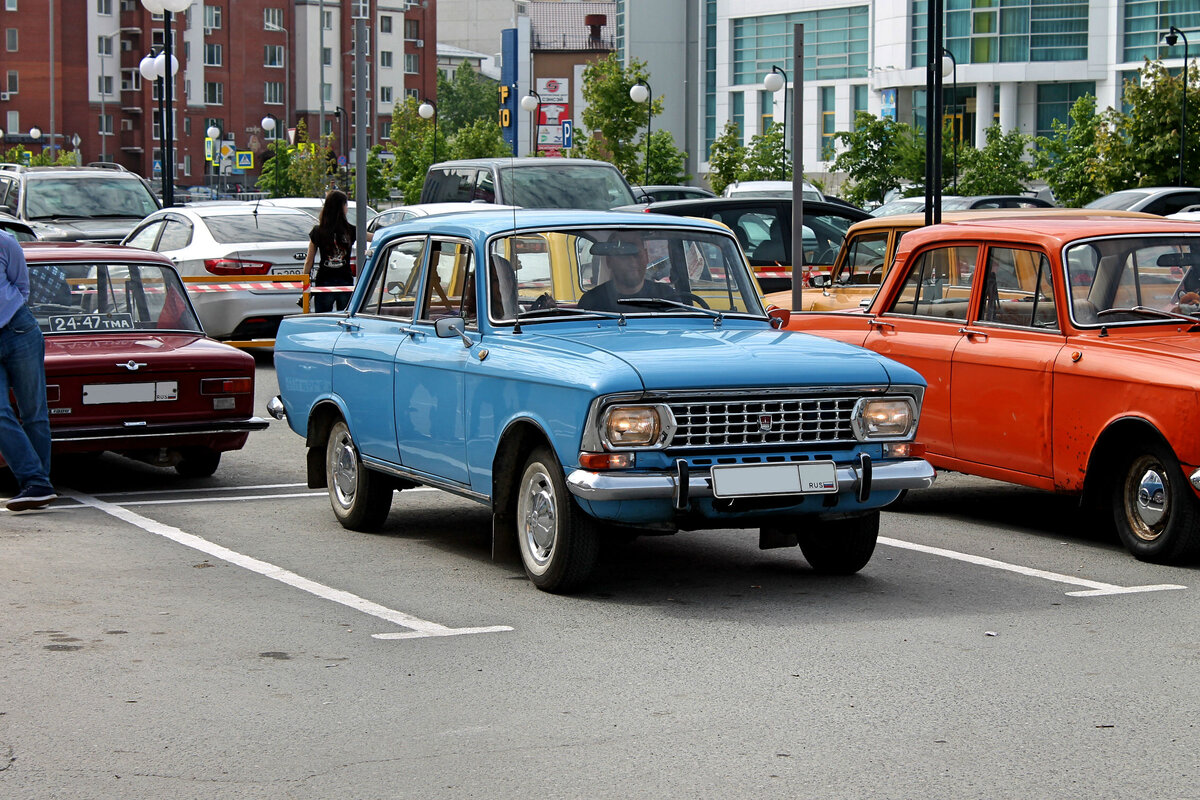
693,299
871,275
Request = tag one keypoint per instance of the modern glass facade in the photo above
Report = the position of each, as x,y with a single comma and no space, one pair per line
835,44
1147,20
710,74
995,31
1054,101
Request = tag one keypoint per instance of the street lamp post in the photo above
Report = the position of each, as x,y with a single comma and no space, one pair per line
166,65
1170,38
270,124
214,134
428,110
773,81
641,92
532,103
35,133
952,70
341,114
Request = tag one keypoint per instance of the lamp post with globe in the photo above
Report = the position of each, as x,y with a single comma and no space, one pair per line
1170,39
532,103
640,92
165,65
270,124
214,134
773,81
428,110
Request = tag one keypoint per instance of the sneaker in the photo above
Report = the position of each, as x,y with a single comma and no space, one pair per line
31,497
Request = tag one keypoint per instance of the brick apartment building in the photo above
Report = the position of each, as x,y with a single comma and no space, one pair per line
70,70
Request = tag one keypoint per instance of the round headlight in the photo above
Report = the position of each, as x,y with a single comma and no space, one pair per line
632,426
883,418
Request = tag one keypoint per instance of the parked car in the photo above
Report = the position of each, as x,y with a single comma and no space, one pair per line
528,182
657,193
571,400
236,241
781,189
913,205
1060,354
870,249
1162,200
398,214
22,231
763,226
76,204
128,367
313,205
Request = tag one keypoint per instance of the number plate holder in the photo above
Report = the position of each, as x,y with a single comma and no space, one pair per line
764,480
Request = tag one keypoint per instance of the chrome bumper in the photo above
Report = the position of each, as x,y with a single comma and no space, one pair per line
861,479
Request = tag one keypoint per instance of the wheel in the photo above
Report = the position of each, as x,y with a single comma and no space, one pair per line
690,298
361,498
198,463
558,541
1154,508
841,546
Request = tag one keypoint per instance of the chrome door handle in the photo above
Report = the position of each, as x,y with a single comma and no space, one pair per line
347,325
969,333
881,324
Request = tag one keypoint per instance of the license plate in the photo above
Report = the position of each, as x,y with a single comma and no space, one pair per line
756,480
106,393
288,271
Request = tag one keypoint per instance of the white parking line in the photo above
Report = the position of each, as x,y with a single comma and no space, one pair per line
417,628
1094,588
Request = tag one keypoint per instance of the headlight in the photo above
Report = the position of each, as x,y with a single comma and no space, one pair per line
884,418
632,426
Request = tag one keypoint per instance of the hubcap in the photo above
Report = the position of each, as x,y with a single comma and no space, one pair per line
343,468
538,520
1147,498
1151,498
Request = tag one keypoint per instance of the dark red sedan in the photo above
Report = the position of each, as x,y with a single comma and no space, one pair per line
128,367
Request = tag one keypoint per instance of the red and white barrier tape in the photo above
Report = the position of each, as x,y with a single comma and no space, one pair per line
200,288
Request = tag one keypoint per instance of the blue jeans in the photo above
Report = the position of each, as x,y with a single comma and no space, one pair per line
24,443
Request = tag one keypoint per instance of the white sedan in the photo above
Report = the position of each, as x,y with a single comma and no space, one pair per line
242,243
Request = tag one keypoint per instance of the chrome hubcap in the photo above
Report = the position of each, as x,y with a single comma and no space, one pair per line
1151,503
343,469
537,517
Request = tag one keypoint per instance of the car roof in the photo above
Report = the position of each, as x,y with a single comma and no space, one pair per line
490,223
717,203
232,209
1051,231
910,221
524,161
426,209
83,251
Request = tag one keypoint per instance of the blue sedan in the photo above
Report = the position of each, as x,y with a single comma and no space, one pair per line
587,374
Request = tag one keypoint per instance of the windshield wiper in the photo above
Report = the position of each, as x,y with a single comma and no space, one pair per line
662,302
57,217
1149,312
553,310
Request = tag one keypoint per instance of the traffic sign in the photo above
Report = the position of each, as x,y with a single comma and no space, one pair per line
209,149
342,161
245,159
158,166
568,132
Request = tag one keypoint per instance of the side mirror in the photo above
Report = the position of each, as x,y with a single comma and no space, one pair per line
449,327
779,317
819,281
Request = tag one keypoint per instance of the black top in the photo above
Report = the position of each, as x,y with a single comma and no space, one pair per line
333,269
604,297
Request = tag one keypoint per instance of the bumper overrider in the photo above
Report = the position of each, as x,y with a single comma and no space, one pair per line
862,479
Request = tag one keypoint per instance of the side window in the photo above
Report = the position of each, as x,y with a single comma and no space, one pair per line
939,284
449,186
485,187
143,238
394,285
1017,289
8,193
864,259
1173,203
448,271
760,233
176,235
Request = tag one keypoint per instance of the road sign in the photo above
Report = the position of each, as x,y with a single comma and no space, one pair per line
568,132
245,159
342,161
157,166
209,149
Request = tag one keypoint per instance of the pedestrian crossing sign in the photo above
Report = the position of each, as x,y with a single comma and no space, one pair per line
245,159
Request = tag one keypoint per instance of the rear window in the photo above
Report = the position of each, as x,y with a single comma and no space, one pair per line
251,228
589,186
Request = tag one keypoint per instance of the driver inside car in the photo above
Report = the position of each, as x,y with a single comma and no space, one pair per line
626,258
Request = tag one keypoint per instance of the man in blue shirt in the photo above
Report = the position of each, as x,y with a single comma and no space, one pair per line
24,442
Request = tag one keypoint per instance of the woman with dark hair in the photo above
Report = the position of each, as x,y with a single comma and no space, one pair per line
333,238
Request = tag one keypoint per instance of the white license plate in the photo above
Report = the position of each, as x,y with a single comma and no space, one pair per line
756,480
287,271
95,394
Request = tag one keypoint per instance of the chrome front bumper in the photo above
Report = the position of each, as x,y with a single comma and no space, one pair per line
862,479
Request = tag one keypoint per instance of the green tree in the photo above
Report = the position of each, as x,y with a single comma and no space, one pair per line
611,117
1147,135
274,178
414,149
999,167
725,158
466,99
481,139
667,162
879,155
766,157
311,164
1070,160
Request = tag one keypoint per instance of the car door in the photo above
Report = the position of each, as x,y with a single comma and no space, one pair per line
922,326
365,355
430,372
1003,372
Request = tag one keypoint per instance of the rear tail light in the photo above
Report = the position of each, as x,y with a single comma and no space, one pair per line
234,266
226,386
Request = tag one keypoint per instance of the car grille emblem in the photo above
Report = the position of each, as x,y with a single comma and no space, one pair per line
764,422
131,365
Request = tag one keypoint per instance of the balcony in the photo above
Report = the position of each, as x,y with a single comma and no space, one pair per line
131,141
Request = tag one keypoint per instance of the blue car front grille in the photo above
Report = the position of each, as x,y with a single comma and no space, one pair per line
773,421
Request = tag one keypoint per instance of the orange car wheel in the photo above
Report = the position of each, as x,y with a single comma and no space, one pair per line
1155,512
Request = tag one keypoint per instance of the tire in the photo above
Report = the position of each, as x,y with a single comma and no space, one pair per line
198,463
558,542
361,498
1154,508
842,546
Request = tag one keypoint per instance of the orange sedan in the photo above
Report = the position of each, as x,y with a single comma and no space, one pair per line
1062,354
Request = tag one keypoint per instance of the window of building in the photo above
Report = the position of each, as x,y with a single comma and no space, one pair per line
213,122
1146,22
385,130
828,122
187,126
103,7
187,164
212,18
273,92
1012,31
214,93
1054,101
385,23
104,45
835,46
385,94
412,29
766,111
273,55
737,102
13,121
327,92
10,40
213,54
272,19
412,64
104,84
10,5
412,93
106,124
385,58
327,56
13,81
327,20
131,80
859,91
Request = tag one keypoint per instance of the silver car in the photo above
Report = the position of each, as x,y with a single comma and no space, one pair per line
241,243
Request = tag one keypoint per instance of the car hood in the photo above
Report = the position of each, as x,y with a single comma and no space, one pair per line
738,359
150,352
112,229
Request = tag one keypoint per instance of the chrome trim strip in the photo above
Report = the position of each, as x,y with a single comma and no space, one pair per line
112,434
425,479
893,476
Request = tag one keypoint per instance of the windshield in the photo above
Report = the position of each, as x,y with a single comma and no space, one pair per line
565,186
102,297
633,271
87,196
1118,200
253,228
1148,273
